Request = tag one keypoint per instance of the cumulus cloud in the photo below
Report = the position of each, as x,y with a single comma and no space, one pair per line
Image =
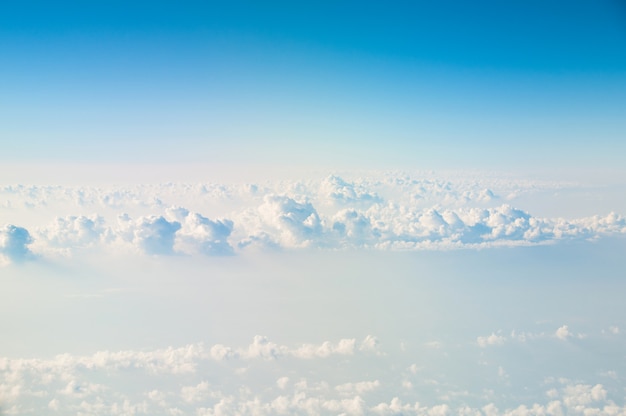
67,383
151,234
340,191
295,224
90,384
358,388
343,347
199,234
333,212
74,232
564,333
14,243
353,228
492,339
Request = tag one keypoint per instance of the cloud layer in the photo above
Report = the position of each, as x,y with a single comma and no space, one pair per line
260,379
390,213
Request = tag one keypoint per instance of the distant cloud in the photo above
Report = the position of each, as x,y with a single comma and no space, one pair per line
201,379
199,234
152,234
337,190
564,333
492,339
14,243
391,211
295,224
74,232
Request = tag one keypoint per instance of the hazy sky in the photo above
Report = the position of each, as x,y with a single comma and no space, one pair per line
453,83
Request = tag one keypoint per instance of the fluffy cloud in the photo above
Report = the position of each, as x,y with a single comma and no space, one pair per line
199,234
343,347
390,211
340,191
74,232
563,332
14,243
67,383
295,224
198,379
152,234
492,339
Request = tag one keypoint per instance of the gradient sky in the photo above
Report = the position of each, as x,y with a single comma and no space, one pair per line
324,207
452,84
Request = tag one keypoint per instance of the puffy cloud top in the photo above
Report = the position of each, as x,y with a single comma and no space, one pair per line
389,212
154,235
14,243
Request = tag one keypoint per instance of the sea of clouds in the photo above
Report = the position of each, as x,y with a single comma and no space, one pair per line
384,293
346,377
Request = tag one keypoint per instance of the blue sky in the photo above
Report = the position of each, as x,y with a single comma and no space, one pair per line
313,208
451,84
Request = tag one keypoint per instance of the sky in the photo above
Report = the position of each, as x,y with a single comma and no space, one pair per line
337,83
324,208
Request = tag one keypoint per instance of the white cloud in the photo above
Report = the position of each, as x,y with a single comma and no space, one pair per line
295,224
370,344
261,347
282,382
492,339
65,234
563,332
199,234
197,393
354,229
340,191
343,347
358,388
151,234
414,214
14,243
579,395
91,384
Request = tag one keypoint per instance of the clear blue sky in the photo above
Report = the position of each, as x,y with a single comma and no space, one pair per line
486,83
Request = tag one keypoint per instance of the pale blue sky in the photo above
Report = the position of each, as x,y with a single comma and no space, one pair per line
192,219
340,84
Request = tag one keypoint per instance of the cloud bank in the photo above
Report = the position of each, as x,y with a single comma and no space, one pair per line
260,379
390,212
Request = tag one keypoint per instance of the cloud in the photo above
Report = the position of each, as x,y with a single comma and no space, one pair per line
343,347
339,191
563,333
194,379
75,384
295,224
14,243
261,347
358,388
492,339
74,232
354,229
151,234
200,235
416,213
197,393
